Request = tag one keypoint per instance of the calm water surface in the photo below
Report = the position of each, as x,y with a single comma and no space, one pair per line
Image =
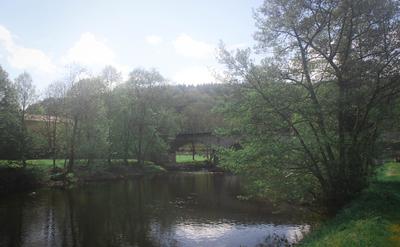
178,209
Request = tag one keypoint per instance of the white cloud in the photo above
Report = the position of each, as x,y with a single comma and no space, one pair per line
188,47
194,75
6,38
94,54
24,58
154,40
88,50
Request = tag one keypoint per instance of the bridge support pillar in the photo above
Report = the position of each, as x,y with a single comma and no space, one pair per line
172,157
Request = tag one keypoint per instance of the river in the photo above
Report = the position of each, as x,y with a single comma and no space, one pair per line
174,209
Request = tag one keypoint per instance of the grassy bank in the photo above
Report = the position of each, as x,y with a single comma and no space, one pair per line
373,219
41,172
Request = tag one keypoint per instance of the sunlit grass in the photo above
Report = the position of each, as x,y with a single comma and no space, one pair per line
187,158
45,163
373,219
389,173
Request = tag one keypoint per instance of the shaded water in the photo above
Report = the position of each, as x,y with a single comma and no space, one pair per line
178,209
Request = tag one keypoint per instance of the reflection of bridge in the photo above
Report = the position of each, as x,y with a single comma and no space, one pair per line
210,140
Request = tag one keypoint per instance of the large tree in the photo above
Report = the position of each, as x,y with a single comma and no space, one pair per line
315,103
142,119
26,96
53,112
110,77
144,110
86,116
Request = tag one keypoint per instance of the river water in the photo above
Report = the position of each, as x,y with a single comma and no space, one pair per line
176,209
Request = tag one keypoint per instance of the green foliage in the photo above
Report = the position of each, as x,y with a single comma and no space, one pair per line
260,165
96,118
142,123
10,129
310,112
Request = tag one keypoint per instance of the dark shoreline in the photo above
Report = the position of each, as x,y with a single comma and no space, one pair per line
18,179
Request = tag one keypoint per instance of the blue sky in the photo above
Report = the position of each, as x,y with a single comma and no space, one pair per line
178,38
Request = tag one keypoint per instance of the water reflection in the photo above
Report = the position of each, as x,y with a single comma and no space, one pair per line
169,210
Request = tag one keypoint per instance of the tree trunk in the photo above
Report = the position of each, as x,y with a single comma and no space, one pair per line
193,151
109,145
54,142
139,150
126,150
23,139
72,147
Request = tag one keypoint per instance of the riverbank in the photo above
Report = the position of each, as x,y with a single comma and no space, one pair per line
13,177
194,167
42,173
372,219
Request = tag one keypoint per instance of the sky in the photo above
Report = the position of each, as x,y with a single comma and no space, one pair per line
179,38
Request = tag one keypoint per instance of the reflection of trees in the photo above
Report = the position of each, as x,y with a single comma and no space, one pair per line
137,215
113,217
139,212
11,224
71,217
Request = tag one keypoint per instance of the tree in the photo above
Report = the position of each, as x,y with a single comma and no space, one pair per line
53,113
142,119
144,110
323,94
9,120
26,96
84,102
110,77
74,74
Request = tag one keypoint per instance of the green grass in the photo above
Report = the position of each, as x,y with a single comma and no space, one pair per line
187,158
100,167
48,163
373,219
45,163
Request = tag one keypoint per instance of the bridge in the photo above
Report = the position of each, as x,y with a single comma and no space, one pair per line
208,139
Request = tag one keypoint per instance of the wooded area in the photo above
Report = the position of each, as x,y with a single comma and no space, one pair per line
102,117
